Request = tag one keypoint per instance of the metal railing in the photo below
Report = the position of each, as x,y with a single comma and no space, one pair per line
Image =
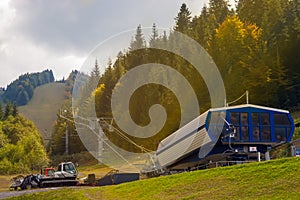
220,164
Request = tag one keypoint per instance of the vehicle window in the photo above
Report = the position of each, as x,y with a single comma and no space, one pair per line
69,168
50,172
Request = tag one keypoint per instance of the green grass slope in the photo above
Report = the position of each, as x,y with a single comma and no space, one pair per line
277,179
43,107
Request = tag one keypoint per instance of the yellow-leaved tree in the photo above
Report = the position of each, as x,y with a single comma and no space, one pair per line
242,58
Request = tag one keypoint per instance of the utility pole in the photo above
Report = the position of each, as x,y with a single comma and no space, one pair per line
67,139
67,136
100,146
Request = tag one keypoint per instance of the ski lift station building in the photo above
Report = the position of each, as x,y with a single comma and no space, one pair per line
237,133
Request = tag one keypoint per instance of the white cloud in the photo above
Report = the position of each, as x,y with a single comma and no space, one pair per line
21,56
37,34
7,14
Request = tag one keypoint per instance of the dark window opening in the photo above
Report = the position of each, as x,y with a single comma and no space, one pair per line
259,128
244,118
255,133
280,134
245,133
235,118
255,119
265,119
266,133
281,119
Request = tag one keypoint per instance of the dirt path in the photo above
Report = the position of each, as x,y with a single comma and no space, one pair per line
4,195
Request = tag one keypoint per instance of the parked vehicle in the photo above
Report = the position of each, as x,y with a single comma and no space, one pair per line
65,175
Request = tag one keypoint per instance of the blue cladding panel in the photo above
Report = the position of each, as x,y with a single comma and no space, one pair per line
258,125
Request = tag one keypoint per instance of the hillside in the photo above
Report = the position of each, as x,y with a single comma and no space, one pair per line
43,107
21,90
276,179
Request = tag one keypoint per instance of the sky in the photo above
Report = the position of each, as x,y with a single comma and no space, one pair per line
36,35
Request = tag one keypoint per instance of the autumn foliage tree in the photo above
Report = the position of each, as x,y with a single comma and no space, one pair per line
21,146
255,47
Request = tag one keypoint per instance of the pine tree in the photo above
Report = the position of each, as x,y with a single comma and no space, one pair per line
14,110
96,70
139,41
94,78
119,66
1,112
266,14
7,110
203,27
165,37
219,10
183,20
286,44
154,36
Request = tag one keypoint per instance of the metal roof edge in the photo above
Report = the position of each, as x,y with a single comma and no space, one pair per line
251,106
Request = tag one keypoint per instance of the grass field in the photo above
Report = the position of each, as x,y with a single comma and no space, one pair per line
277,179
44,106
98,170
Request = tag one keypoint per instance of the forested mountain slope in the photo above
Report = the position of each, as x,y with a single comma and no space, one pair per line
21,90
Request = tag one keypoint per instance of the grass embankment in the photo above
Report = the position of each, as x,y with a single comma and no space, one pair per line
277,179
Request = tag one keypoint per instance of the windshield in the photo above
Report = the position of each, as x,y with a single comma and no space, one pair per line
69,167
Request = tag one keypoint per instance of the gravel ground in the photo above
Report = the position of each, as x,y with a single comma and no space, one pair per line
4,195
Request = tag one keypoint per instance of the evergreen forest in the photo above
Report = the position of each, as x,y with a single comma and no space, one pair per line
21,90
255,45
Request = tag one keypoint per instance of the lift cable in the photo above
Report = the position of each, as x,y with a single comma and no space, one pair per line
122,135
79,123
244,94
